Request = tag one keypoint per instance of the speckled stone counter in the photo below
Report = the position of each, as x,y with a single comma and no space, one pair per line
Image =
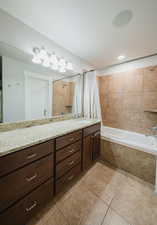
19,139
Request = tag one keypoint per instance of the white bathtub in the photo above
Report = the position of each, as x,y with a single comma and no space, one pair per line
134,140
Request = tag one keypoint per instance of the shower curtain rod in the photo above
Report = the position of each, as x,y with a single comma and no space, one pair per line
74,75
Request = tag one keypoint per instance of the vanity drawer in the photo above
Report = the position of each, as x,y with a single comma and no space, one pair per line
26,208
67,178
89,130
70,162
68,139
67,151
19,183
22,157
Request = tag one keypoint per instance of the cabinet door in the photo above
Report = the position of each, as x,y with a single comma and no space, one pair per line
96,145
87,151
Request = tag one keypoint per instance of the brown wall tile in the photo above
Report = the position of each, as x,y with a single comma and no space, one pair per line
116,83
133,102
138,163
115,101
133,81
125,96
150,78
150,100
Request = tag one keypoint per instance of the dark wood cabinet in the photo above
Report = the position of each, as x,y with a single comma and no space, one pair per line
91,145
68,159
67,178
68,139
67,164
68,151
30,177
16,185
96,145
26,208
23,157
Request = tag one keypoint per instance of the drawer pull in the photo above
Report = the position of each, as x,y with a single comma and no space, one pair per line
31,207
31,178
71,139
71,163
71,177
72,150
31,156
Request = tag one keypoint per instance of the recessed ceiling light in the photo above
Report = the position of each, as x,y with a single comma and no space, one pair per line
121,57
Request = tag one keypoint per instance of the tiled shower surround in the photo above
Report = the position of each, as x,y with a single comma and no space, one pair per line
125,97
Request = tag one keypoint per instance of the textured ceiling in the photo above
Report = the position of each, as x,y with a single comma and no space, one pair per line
94,30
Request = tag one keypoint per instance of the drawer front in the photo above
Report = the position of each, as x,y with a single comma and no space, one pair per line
67,151
89,130
67,164
68,139
68,178
26,208
20,158
19,183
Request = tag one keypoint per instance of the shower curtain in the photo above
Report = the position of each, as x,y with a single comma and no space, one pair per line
91,96
77,100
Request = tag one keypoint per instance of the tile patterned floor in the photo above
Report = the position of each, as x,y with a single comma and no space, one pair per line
103,196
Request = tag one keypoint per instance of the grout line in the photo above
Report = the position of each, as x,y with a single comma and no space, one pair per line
65,218
105,215
121,216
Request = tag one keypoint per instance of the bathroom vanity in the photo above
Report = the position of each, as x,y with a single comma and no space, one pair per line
30,176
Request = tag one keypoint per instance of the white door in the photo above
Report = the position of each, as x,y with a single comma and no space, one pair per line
37,98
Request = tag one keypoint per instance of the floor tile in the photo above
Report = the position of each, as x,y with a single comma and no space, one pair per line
137,203
46,212
103,196
35,221
83,208
104,182
112,218
57,218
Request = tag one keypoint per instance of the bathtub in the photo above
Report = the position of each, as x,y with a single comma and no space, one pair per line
133,140
130,139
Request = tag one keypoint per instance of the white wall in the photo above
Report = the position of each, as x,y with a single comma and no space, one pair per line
14,88
19,35
141,63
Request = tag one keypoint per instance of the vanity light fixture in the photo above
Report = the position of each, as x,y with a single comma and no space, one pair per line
36,59
121,57
46,59
69,66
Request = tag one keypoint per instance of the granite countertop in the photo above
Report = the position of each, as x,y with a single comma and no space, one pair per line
11,141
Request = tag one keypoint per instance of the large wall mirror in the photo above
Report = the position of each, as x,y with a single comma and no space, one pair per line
30,92
67,96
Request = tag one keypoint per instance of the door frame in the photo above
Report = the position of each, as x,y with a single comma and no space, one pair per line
37,76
